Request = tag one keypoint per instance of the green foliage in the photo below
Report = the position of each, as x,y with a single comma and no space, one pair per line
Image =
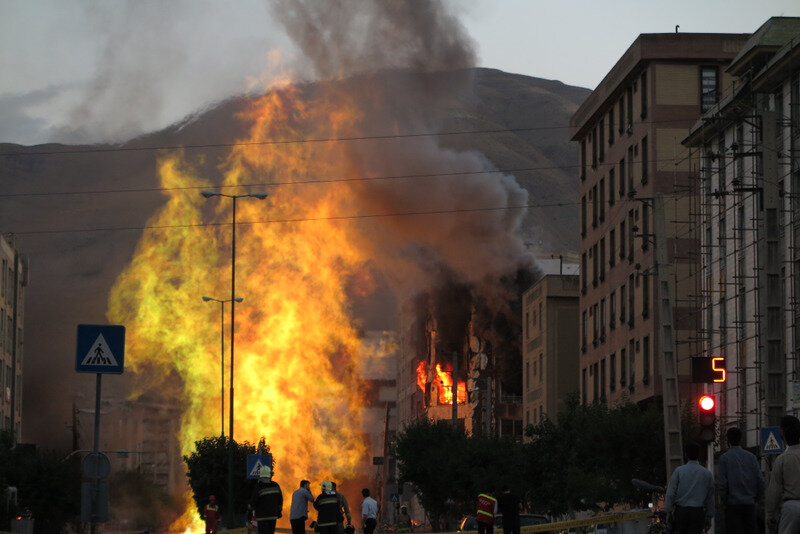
208,471
45,482
586,460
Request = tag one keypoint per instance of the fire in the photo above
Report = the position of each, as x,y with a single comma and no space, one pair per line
443,380
296,345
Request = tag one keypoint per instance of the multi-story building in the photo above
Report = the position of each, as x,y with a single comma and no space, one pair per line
629,132
13,280
747,149
549,344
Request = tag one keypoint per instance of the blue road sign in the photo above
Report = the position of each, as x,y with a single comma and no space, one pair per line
255,462
771,440
395,498
101,349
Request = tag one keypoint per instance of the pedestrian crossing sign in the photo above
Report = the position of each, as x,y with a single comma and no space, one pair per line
771,441
100,349
255,462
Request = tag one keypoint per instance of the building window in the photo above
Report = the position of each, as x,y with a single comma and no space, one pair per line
611,126
622,178
584,273
612,247
594,206
629,171
528,375
645,297
611,191
612,310
602,199
595,271
602,259
622,239
583,159
612,372
594,148
630,235
584,325
601,142
646,360
541,367
603,378
631,363
583,385
622,303
630,302
623,368
595,384
583,216
621,107
709,87
645,227
602,320
527,325
629,115
643,93
645,161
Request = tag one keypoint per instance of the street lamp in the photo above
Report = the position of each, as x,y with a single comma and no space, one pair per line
222,358
259,196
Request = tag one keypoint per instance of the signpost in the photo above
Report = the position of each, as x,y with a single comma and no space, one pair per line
255,462
771,441
100,350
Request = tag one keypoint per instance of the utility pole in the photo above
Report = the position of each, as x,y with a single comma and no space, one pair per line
673,445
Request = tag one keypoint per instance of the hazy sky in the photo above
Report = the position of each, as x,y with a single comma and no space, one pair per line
109,69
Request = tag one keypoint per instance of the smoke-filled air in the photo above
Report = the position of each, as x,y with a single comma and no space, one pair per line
347,214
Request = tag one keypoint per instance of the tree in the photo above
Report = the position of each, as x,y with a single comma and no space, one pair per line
208,471
434,457
46,484
586,460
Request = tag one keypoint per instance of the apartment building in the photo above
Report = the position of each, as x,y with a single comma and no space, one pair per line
629,133
13,280
746,150
549,344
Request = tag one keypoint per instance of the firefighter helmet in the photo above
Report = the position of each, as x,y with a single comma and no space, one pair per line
327,485
265,472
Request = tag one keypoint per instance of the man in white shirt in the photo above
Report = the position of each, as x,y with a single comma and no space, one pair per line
369,512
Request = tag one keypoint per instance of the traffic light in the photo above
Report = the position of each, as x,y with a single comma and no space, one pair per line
707,417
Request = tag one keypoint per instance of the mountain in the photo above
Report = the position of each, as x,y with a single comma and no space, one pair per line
73,218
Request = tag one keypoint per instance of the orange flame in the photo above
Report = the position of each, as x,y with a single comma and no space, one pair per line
297,348
443,380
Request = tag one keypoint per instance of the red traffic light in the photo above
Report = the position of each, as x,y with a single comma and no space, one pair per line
706,403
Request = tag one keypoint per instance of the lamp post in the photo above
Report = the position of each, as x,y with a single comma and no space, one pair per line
259,196
222,358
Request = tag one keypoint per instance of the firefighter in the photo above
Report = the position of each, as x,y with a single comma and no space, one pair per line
327,507
403,520
487,508
267,501
211,515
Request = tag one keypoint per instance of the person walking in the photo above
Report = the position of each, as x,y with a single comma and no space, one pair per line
508,505
783,491
211,515
298,511
740,484
267,502
327,507
690,495
369,512
487,507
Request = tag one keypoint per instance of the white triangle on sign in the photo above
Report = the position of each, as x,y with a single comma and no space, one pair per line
100,354
256,470
772,443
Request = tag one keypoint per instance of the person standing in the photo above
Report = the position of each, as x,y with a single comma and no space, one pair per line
267,502
298,511
783,492
211,515
508,505
327,507
487,507
740,484
690,495
369,512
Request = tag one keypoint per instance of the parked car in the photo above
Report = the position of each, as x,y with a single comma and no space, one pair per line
469,523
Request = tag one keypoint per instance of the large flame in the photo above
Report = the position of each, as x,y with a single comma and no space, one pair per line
296,345
443,381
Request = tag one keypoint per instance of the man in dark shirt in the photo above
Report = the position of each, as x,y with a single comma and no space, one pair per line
740,484
508,505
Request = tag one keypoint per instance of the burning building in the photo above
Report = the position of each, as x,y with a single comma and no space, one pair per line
457,337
